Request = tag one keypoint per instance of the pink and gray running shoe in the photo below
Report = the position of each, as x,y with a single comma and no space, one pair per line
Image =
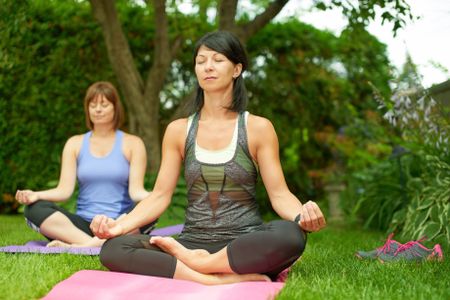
413,251
389,248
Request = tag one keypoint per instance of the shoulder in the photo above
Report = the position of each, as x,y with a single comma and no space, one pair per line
175,135
73,144
261,125
133,145
132,140
261,134
75,141
177,127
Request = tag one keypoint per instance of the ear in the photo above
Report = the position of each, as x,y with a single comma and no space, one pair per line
237,70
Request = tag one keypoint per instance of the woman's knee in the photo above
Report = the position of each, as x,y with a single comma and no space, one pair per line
291,238
37,212
277,246
112,252
31,210
134,254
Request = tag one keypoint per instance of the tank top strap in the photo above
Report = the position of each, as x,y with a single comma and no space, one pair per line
117,148
192,133
84,145
242,134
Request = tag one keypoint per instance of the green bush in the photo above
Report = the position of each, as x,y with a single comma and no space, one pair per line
410,193
51,52
428,213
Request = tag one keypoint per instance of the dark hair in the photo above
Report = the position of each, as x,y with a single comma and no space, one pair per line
229,45
108,90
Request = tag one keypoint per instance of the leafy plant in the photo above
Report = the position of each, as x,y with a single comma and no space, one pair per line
417,203
428,213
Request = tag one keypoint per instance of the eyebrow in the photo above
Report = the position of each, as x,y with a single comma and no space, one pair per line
214,54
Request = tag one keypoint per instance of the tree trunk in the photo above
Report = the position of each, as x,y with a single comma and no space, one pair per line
142,101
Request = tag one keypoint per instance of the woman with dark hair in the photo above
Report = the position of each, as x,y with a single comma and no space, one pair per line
223,148
109,165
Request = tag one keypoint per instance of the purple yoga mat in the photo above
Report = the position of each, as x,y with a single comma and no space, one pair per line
169,230
40,246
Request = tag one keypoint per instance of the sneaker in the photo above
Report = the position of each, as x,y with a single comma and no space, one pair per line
388,248
413,251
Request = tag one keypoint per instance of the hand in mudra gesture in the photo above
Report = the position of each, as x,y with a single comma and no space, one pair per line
105,227
312,218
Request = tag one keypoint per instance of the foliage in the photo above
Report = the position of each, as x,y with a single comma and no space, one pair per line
425,129
51,54
428,213
360,13
321,88
410,194
381,189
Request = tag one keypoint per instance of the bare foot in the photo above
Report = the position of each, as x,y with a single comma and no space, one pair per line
94,242
57,243
191,258
233,278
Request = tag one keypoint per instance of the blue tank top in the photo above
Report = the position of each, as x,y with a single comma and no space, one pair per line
103,181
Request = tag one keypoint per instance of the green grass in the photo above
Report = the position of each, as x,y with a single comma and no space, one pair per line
327,270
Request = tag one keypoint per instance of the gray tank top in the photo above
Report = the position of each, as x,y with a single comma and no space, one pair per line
221,197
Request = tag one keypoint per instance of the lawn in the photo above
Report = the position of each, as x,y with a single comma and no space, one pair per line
327,270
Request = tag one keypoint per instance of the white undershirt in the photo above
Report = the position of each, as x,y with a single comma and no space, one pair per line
217,156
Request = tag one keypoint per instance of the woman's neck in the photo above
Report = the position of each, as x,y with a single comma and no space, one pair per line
103,131
216,106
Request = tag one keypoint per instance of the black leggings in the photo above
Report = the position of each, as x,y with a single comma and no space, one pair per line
36,213
267,251
39,211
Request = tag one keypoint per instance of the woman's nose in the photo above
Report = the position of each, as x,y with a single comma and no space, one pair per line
208,65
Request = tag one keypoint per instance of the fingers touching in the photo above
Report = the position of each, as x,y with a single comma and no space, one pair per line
312,218
105,227
26,196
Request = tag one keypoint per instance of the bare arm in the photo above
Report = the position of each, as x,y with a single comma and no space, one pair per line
67,179
138,164
264,142
150,208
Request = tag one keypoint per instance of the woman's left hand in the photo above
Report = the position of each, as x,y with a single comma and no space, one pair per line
104,227
312,218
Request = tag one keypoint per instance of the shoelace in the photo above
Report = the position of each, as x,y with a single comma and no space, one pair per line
408,245
387,246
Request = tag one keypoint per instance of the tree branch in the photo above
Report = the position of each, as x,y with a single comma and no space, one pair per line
247,30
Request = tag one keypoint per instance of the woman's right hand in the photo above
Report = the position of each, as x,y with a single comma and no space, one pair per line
26,197
105,227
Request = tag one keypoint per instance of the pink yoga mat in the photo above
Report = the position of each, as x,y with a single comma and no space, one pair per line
103,285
